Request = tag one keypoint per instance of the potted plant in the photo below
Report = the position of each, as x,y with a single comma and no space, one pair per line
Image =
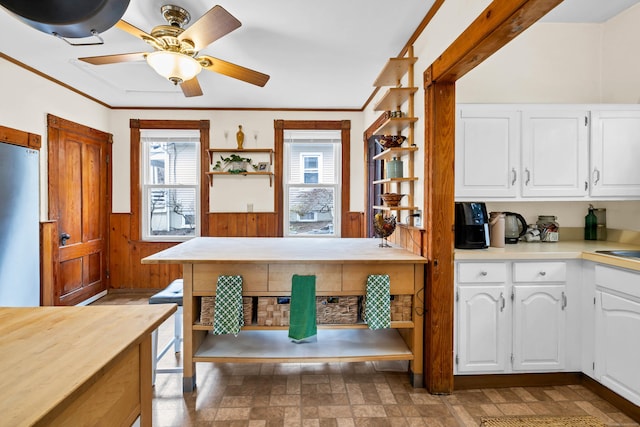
233,164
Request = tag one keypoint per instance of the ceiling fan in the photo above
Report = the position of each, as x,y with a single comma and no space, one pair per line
175,54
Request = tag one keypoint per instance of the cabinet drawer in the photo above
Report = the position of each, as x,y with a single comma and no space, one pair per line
205,276
475,272
539,271
624,281
401,277
328,277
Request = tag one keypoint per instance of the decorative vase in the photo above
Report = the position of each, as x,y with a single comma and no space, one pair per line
240,137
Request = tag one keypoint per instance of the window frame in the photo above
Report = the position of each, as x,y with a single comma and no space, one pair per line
135,125
344,126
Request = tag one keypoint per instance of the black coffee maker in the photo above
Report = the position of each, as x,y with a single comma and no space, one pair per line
472,225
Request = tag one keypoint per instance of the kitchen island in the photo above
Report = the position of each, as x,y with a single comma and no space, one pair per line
267,265
68,366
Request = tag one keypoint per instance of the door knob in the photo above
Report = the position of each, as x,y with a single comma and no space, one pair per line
63,238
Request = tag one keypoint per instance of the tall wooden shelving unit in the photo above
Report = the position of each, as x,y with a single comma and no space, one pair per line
393,99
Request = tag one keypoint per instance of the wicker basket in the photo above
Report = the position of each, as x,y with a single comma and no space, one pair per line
400,307
208,305
337,310
273,311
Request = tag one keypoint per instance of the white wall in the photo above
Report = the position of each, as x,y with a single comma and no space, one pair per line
28,98
621,59
232,194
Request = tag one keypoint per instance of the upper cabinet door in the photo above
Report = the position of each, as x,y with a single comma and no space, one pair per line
555,153
487,151
615,153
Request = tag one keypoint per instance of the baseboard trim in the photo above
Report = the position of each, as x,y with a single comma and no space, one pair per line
467,382
629,408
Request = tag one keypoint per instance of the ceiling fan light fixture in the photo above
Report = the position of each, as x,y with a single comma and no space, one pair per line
174,66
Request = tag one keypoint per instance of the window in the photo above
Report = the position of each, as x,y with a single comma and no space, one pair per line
310,168
170,184
312,171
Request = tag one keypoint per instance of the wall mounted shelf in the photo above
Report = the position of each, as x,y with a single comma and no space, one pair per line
212,151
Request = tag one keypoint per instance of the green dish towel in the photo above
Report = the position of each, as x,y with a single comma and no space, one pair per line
228,314
378,308
302,318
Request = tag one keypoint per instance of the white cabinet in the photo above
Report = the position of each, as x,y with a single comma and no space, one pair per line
547,152
481,317
617,337
539,327
487,152
511,317
615,150
555,150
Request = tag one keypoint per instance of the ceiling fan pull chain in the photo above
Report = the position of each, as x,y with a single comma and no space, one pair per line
94,33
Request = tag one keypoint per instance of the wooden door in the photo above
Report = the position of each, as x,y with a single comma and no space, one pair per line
79,203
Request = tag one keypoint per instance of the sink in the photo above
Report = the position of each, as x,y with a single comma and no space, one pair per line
625,253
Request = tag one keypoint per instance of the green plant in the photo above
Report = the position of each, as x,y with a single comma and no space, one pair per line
235,162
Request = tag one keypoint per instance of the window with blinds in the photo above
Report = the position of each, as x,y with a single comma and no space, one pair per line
170,184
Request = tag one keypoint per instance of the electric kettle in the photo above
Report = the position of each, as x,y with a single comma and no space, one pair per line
515,226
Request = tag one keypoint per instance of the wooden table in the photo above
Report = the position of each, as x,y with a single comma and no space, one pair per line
341,267
65,366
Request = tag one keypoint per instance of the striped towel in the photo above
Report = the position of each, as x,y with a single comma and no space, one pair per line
228,314
378,308
302,318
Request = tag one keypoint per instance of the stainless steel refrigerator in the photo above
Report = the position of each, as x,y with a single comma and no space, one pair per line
19,226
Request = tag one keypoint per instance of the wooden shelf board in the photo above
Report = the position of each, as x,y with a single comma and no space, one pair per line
393,71
395,125
390,153
236,150
394,325
396,208
394,98
391,180
236,174
331,345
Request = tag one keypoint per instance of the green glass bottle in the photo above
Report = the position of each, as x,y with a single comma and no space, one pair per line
590,225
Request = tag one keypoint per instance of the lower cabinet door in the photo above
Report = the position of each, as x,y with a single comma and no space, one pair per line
539,327
482,329
617,344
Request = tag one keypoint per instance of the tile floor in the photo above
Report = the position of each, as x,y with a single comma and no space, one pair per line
342,394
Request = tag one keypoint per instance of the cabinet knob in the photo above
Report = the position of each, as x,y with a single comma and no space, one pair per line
483,273
543,273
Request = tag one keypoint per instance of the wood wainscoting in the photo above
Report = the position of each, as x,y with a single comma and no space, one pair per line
127,273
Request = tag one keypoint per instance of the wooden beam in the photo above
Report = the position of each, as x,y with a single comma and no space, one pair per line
439,203
498,24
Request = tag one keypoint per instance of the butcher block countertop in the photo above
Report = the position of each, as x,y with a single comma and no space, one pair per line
282,250
54,358
578,249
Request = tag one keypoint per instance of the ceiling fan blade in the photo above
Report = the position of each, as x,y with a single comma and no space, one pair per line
210,27
191,88
113,59
233,70
134,31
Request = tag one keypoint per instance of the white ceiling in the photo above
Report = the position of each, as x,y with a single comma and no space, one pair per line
320,55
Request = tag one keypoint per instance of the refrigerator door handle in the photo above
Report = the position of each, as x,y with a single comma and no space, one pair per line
63,238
